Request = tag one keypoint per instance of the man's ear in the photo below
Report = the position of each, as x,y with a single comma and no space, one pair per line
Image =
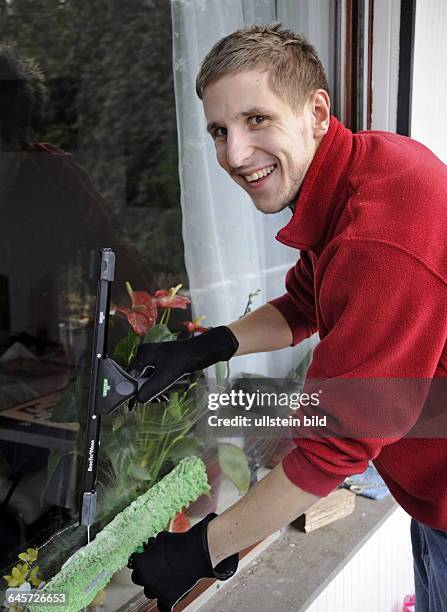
321,112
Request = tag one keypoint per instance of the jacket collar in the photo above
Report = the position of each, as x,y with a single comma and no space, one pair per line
319,196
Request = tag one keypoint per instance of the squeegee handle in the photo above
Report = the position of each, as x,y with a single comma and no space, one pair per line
105,269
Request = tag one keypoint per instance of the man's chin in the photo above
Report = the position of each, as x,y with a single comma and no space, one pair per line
270,207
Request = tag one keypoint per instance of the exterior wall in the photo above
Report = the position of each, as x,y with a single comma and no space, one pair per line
429,83
379,575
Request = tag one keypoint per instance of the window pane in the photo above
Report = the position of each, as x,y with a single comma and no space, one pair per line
93,81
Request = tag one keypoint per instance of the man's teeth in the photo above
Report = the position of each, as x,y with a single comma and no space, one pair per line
259,174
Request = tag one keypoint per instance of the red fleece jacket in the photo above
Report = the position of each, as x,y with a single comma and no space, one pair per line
371,224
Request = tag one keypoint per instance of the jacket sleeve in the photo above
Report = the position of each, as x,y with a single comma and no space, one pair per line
298,305
386,312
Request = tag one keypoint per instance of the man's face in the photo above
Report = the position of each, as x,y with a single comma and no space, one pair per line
263,144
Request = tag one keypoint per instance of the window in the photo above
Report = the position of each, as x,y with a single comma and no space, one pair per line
91,162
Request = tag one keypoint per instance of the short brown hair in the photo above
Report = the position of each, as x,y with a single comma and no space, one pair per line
295,69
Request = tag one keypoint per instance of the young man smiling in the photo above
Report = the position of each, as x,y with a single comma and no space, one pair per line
268,146
370,219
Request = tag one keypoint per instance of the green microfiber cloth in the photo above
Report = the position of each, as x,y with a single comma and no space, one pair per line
91,568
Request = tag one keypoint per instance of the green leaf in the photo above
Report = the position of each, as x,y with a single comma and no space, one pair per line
221,372
139,472
174,407
118,422
234,464
125,349
185,447
159,333
118,442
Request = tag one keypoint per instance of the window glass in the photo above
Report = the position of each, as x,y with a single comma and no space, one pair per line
88,159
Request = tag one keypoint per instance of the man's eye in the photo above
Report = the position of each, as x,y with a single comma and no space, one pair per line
219,132
256,119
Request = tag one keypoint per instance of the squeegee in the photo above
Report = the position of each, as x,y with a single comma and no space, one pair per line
110,386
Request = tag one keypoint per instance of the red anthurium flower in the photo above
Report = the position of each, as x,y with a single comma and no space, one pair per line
142,315
180,523
169,298
194,326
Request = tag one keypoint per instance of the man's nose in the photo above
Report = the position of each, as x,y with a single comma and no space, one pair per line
239,149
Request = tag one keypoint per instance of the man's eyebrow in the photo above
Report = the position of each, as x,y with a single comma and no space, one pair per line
256,110
211,126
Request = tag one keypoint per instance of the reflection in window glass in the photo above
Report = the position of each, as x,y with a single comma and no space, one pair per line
88,159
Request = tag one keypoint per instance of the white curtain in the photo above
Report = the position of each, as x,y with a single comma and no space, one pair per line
230,247
316,20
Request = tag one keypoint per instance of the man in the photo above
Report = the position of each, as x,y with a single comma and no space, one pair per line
370,219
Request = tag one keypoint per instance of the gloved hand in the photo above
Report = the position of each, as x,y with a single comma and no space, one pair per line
173,563
167,362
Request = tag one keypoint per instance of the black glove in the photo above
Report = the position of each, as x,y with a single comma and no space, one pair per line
173,563
170,361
